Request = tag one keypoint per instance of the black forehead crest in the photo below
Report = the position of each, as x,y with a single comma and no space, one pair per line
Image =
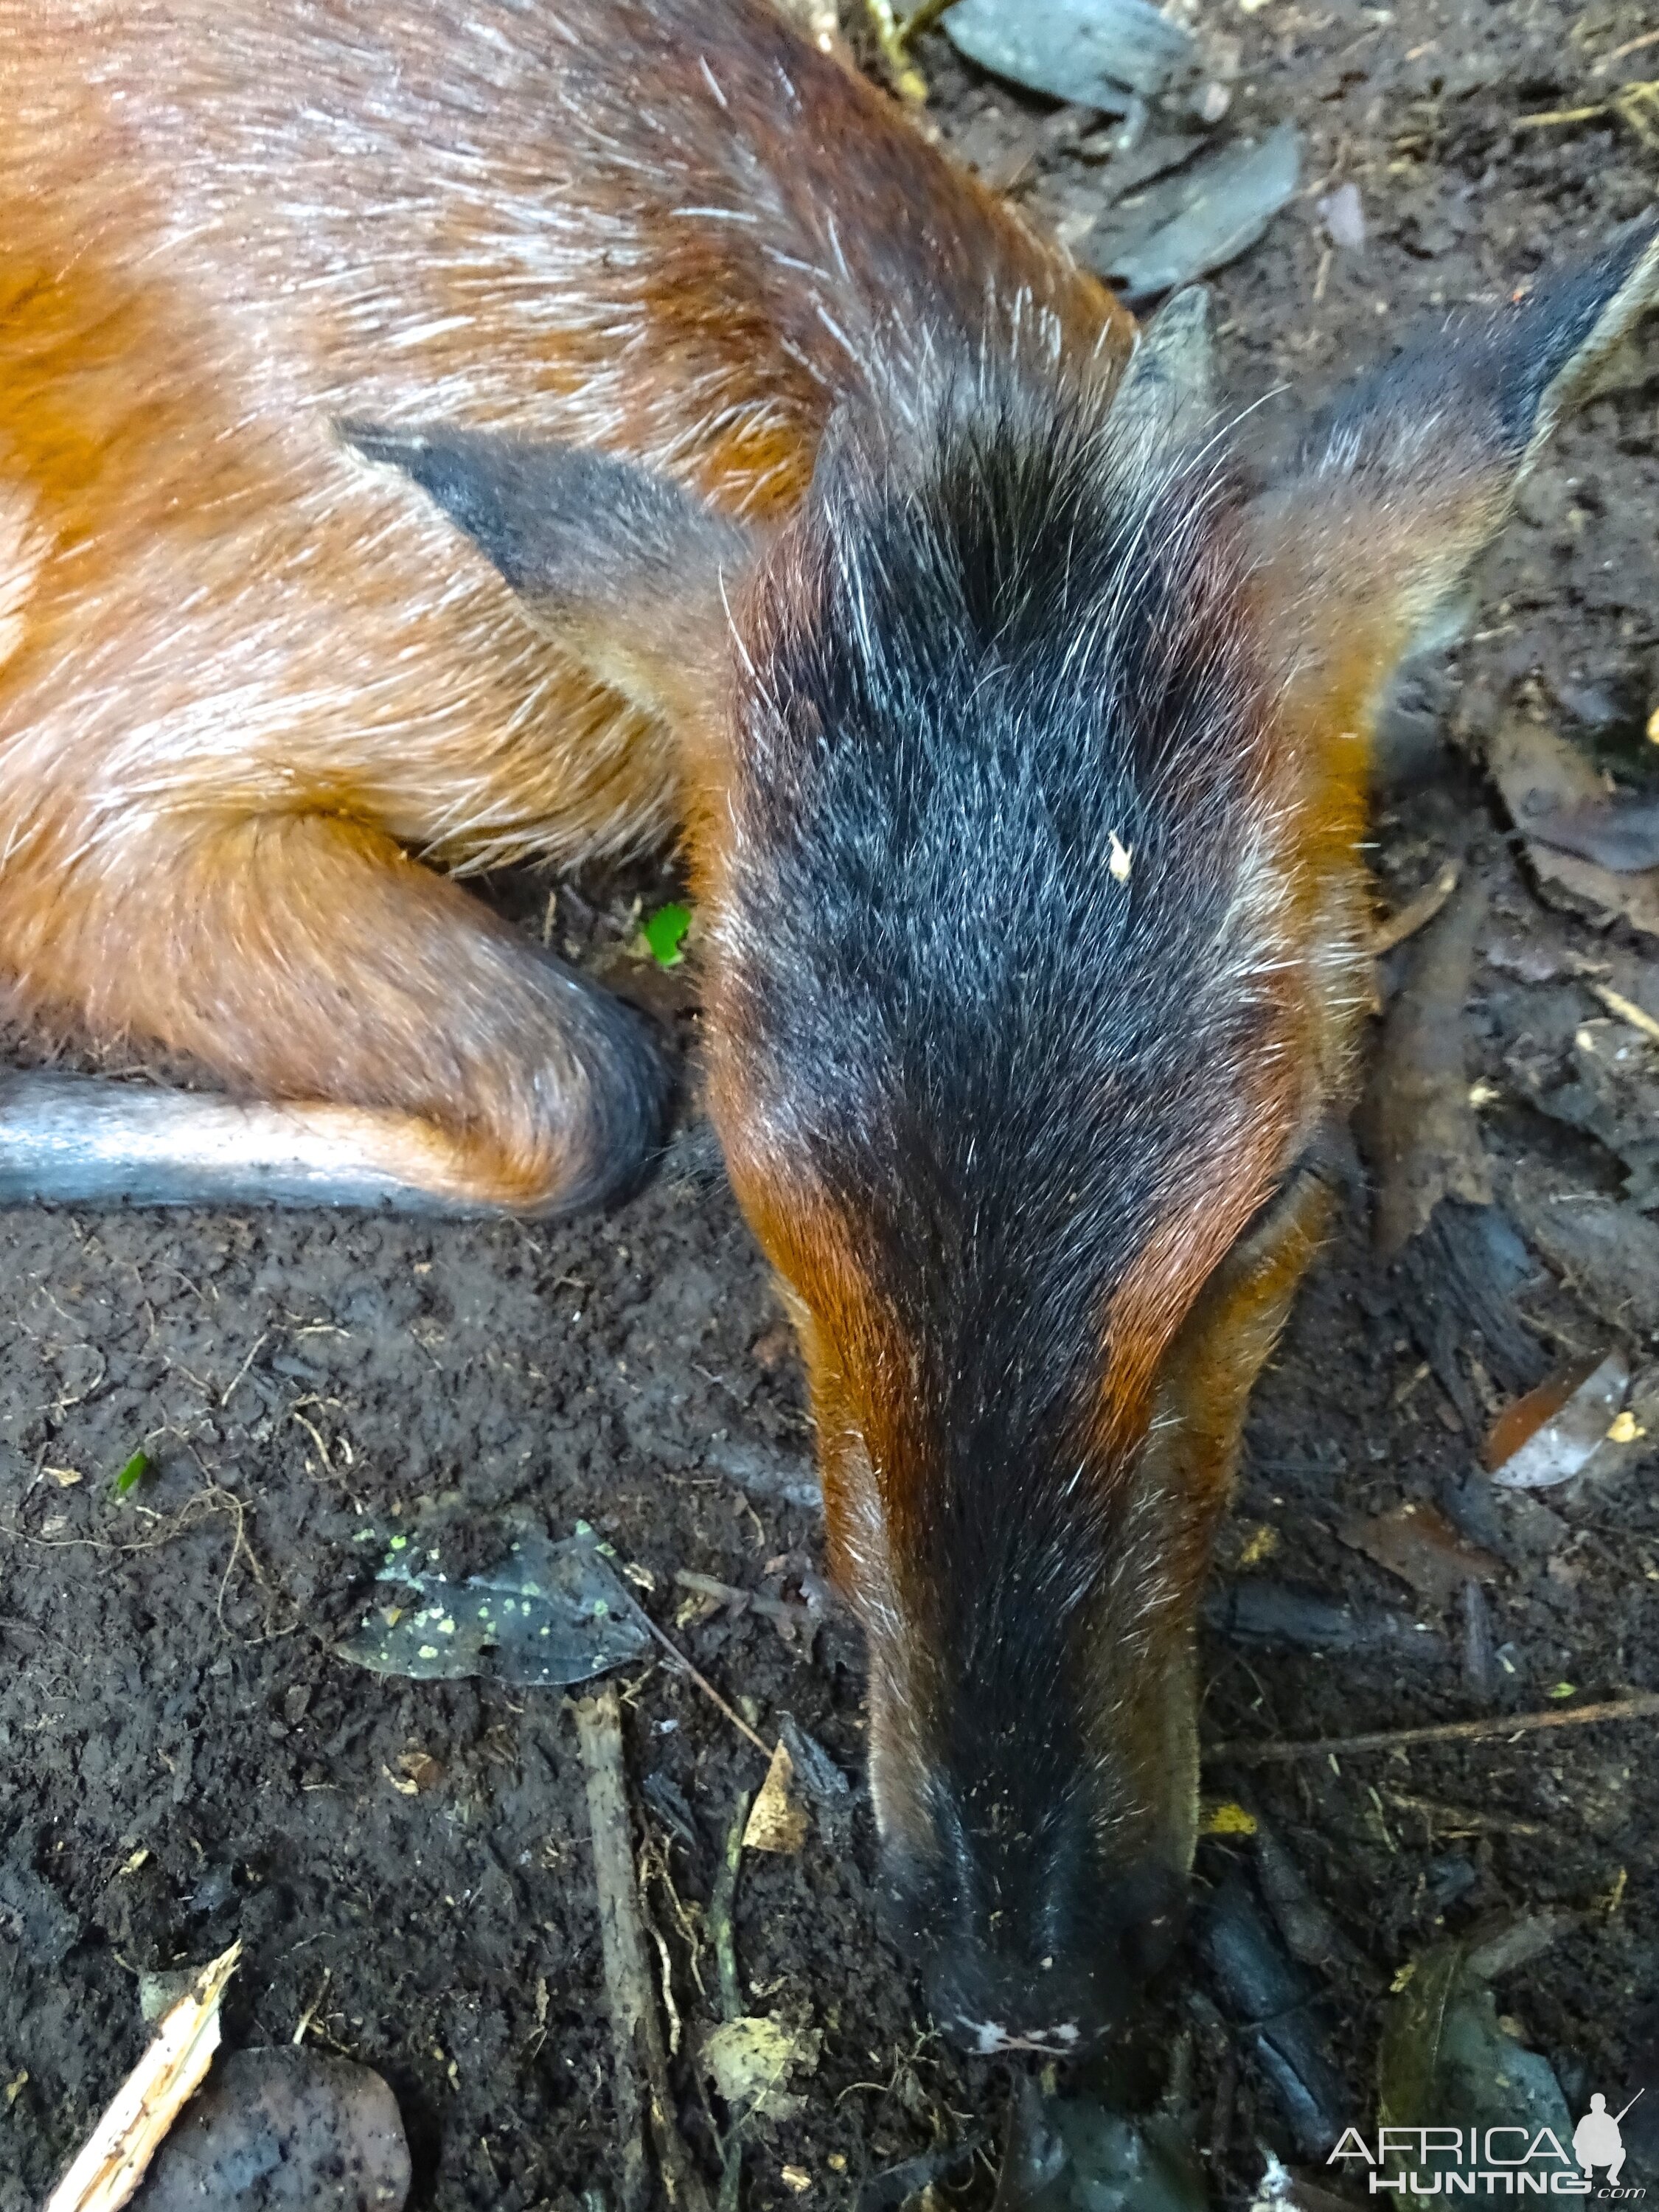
1001,782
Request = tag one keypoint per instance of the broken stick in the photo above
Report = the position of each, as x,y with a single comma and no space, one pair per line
722,1921
702,1680
1417,913
1643,1705
642,2062
134,2126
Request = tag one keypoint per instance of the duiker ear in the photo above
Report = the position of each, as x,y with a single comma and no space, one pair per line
1166,395
623,566
1361,550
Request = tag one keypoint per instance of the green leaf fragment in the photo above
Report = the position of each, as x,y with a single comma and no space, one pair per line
1442,2050
664,931
132,1474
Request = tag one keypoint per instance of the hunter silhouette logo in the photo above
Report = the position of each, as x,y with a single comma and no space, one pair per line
1504,2160
1596,2139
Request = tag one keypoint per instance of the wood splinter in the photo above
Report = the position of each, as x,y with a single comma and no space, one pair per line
134,2126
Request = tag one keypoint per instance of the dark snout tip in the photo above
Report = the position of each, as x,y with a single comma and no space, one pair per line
992,1993
1053,2007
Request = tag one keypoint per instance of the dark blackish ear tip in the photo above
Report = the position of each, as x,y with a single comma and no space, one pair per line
376,443
563,523
1568,326
447,468
1503,380
492,488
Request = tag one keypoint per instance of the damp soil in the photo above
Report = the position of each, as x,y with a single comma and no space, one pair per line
185,1758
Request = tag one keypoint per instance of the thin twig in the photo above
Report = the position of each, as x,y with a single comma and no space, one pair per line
722,1926
924,18
15,1620
1627,1009
1630,46
316,2005
722,1905
1459,1819
702,1680
1550,116
1636,103
1417,912
117,2154
1644,1705
641,2061
231,1387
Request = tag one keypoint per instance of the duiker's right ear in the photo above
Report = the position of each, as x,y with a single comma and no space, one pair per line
1361,550
621,566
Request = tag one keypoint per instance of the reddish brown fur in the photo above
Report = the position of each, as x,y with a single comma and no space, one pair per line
222,225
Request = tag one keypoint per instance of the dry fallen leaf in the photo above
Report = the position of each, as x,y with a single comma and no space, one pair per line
420,1768
776,1822
1543,781
1523,1416
1562,1441
135,2123
1419,1545
750,2060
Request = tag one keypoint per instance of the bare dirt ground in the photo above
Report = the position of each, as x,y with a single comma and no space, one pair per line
185,1758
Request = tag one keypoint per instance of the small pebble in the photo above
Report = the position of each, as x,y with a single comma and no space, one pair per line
1343,217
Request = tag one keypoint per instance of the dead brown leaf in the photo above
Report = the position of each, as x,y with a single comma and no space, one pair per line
1523,1416
1545,780
1562,1443
1419,1545
1417,1125
776,1822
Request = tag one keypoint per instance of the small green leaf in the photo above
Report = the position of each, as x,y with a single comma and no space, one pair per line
663,932
132,1474
1565,1690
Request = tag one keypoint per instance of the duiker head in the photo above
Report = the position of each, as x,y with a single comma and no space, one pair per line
1025,771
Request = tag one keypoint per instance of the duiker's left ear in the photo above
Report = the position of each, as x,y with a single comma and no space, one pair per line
1362,549
620,565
